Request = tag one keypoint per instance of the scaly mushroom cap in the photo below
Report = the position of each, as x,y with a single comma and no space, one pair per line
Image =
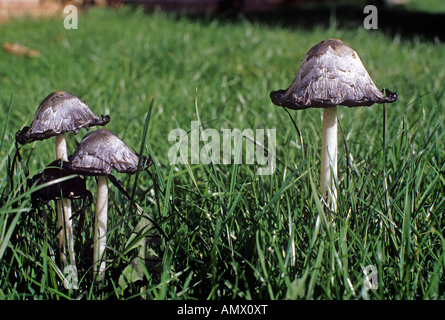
100,151
59,113
331,74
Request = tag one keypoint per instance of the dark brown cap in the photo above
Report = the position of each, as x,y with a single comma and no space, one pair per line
331,74
59,113
100,151
74,188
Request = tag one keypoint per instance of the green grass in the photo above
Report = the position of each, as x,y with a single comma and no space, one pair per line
222,231
434,6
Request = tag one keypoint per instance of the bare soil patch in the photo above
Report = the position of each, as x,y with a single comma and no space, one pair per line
29,8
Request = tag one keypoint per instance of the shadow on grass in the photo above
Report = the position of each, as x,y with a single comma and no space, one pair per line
391,20
427,26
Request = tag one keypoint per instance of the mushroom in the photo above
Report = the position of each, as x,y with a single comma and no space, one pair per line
74,188
59,113
331,74
98,153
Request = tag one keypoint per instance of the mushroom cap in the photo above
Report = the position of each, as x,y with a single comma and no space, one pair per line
331,74
59,113
100,151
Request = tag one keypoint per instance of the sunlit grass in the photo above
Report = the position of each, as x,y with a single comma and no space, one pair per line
223,231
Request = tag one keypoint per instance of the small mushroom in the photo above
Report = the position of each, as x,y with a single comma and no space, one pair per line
98,153
59,113
74,188
331,74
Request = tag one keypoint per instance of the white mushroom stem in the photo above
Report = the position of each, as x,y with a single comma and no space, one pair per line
64,216
100,229
61,153
328,175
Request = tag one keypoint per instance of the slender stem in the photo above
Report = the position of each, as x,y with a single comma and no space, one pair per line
61,223
66,241
100,228
67,213
66,236
328,174
61,153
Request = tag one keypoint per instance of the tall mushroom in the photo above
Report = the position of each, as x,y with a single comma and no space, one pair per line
59,113
331,74
98,153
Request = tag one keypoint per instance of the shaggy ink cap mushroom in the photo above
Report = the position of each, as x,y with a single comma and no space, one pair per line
100,152
59,113
331,74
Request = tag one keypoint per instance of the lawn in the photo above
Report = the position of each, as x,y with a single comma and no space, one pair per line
223,231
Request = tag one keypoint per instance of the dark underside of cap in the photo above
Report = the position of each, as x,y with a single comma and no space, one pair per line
279,98
25,136
74,188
